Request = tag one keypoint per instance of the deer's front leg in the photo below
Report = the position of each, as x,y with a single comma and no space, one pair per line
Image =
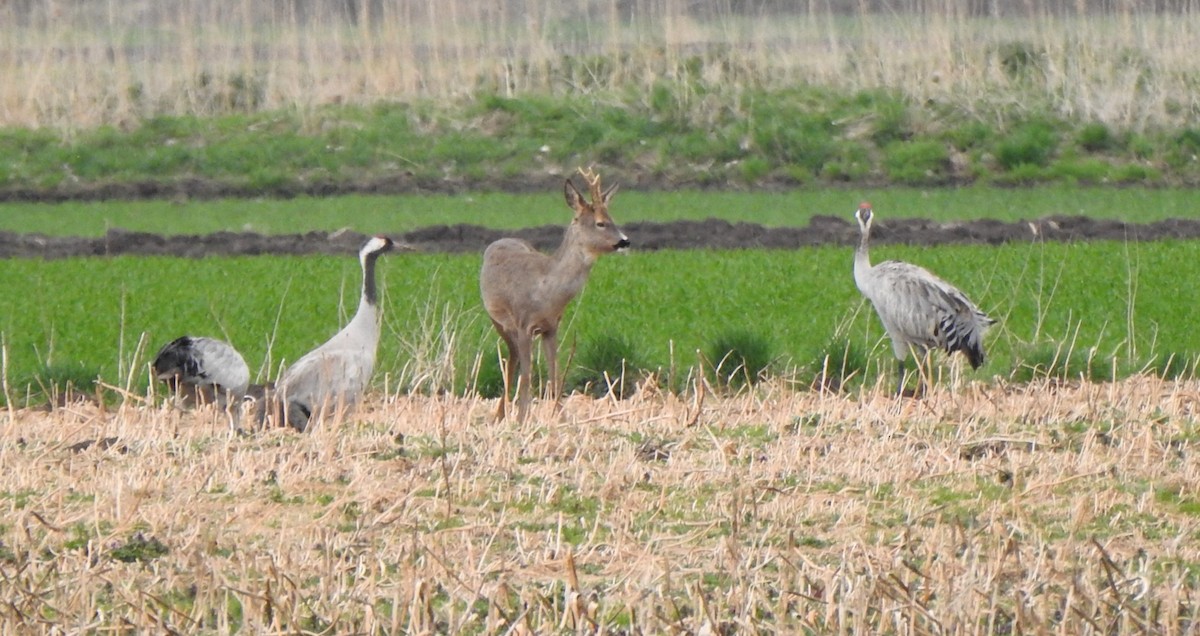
508,369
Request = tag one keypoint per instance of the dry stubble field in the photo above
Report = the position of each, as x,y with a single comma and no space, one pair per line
983,509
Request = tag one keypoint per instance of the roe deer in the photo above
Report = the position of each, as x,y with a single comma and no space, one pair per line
526,291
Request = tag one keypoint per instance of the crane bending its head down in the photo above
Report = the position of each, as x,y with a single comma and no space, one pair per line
336,374
919,310
199,369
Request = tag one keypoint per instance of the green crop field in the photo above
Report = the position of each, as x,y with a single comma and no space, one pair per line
381,214
1121,305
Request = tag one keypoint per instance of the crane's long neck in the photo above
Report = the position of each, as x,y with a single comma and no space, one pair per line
368,305
369,292
862,258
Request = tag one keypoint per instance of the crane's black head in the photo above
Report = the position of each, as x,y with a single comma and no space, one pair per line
175,359
864,215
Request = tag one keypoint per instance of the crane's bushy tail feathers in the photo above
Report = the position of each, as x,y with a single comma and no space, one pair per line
974,354
966,336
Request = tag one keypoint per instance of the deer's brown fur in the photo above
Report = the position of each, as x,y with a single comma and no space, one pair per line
526,291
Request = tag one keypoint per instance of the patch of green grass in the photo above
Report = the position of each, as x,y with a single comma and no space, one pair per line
1087,171
1183,148
19,499
56,382
1134,173
399,214
277,495
925,162
606,364
1021,60
1095,137
836,365
1184,503
488,382
84,497
1061,362
739,357
755,434
1174,365
1031,144
139,548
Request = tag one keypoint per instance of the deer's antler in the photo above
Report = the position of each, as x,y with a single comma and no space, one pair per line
593,181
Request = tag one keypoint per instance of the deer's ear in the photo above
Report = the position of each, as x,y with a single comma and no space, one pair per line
608,194
574,198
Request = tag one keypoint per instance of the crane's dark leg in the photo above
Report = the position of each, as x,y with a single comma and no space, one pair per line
924,372
903,374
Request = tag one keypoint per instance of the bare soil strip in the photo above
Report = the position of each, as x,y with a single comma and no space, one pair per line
984,509
708,234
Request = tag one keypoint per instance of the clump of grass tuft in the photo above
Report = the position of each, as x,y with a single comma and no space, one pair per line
57,383
1064,363
917,162
431,349
139,548
739,358
1174,366
837,363
609,364
488,381
1095,137
1021,61
1032,144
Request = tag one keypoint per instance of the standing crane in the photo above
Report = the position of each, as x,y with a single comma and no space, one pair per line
919,310
336,374
202,370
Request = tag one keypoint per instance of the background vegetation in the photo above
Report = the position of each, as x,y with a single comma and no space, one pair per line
376,214
328,96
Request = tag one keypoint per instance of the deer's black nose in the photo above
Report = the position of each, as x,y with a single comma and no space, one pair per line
623,243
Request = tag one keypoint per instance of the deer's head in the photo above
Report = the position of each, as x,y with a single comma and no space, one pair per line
593,225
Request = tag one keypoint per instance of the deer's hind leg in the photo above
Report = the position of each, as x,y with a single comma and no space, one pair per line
524,341
509,372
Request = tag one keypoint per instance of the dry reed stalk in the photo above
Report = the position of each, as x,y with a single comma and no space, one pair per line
1066,508
76,65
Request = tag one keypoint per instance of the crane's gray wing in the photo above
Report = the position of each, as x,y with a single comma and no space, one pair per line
325,377
927,312
200,361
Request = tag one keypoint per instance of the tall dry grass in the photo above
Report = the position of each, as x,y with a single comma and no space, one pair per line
70,64
997,509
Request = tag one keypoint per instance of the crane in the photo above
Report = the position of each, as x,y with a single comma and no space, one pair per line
335,374
204,370
919,310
